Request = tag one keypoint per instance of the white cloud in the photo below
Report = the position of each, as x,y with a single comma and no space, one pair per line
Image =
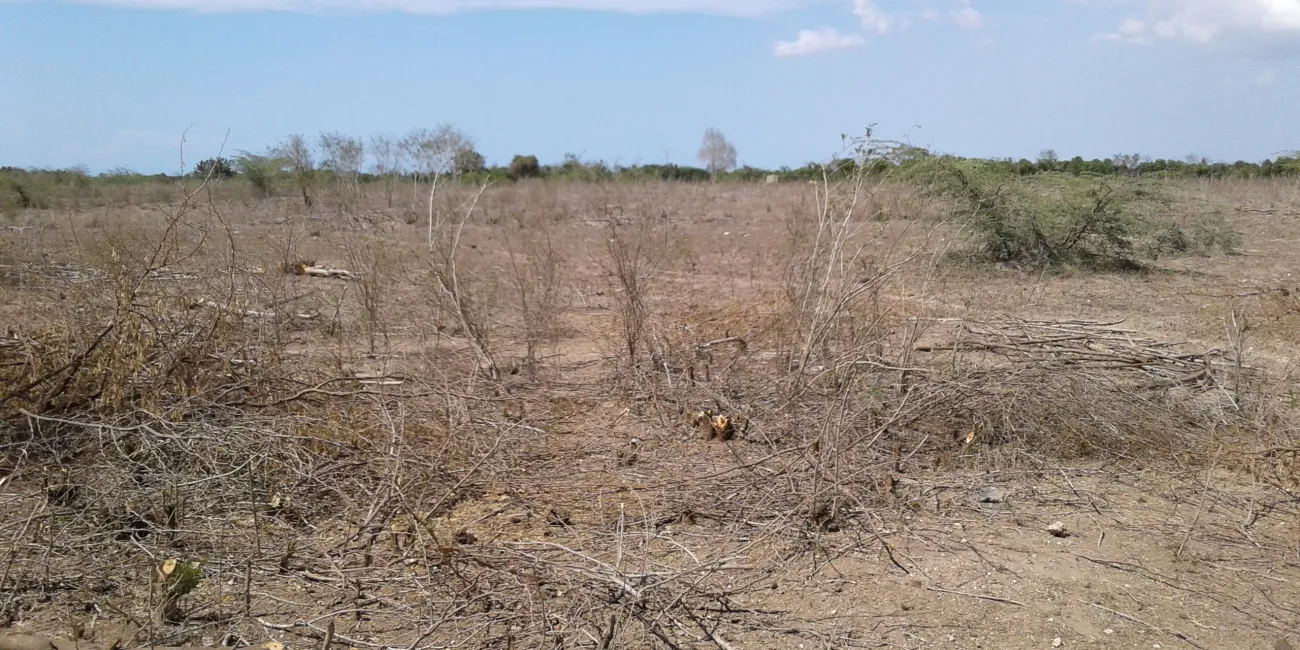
715,7
873,18
1130,31
1208,21
1267,77
811,41
967,18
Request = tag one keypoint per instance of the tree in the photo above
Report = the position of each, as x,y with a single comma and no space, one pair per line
434,153
468,161
716,153
525,167
343,155
390,157
295,155
1128,164
1047,160
218,168
260,171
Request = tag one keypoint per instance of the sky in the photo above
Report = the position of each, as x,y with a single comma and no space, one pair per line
115,83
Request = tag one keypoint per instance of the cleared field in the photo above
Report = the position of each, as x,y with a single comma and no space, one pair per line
565,415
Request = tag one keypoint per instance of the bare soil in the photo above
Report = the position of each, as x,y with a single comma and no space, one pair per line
375,482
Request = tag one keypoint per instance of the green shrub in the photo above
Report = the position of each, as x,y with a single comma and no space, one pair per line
1055,219
468,161
219,168
525,167
259,171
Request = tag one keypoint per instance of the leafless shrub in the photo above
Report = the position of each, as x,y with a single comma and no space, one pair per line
535,276
834,275
636,247
375,270
343,156
455,292
390,157
295,154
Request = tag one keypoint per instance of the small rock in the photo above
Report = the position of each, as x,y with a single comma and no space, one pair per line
1057,642
1057,529
1108,631
991,495
558,516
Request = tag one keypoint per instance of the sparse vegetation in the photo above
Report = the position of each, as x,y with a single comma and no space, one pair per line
624,407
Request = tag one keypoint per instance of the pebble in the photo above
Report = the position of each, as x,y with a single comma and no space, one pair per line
991,495
1057,642
1108,631
1057,529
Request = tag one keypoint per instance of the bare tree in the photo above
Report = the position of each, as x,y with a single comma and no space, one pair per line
343,155
1130,164
434,154
716,153
295,154
390,157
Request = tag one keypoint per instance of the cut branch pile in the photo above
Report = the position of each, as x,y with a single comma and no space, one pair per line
1076,388
309,268
1089,345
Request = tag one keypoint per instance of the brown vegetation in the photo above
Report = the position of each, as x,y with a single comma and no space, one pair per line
655,415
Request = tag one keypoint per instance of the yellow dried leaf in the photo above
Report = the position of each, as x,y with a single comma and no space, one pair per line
970,437
168,567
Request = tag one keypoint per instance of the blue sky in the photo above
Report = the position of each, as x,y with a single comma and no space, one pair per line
108,83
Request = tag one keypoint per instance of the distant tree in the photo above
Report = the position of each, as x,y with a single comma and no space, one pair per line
216,168
468,161
343,155
1128,164
390,157
434,154
434,151
1047,160
295,155
716,153
525,167
260,171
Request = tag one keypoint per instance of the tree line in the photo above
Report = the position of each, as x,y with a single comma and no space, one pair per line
445,152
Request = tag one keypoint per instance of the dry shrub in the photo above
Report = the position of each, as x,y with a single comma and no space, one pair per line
153,331
376,269
639,243
466,296
535,276
440,506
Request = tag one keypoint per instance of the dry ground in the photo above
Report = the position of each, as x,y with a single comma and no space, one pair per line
344,462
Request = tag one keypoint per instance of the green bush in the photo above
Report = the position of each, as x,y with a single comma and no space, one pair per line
468,161
259,171
525,167
1057,219
219,168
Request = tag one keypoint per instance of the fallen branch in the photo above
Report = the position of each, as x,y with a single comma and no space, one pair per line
1134,619
995,599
